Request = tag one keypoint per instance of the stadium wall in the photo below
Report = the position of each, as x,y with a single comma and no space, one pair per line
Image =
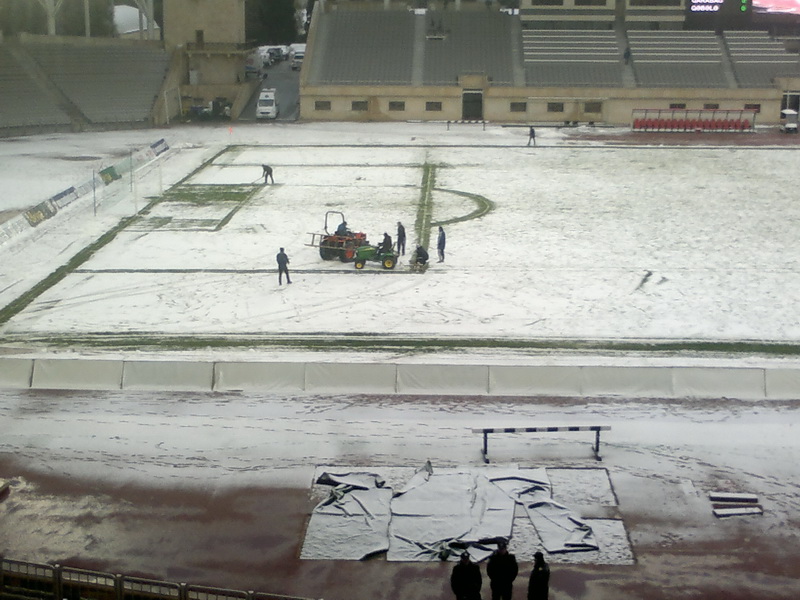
335,103
677,381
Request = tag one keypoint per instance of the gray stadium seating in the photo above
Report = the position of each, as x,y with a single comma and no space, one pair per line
572,58
474,43
354,48
108,83
22,102
687,59
757,58
379,47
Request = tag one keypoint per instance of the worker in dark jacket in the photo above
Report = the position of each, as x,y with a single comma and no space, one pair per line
420,256
441,241
386,244
502,570
466,580
401,238
539,584
283,267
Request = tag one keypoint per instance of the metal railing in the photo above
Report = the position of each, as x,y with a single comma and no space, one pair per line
21,580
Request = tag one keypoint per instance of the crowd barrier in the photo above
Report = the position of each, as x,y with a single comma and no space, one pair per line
778,382
20,580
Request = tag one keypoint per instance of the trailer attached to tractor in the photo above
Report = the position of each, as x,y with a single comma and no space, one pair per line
340,243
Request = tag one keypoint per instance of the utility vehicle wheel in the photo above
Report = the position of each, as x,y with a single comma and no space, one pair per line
389,262
359,264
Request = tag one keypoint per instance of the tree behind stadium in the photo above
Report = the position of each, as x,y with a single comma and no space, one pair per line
270,22
27,16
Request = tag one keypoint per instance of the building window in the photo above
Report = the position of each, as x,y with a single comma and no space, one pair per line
433,106
678,106
519,107
359,105
322,105
547,3
755,107
555,107
397,105
593,107
711,106
590,2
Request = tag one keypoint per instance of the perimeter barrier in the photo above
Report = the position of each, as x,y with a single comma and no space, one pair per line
21,580
771,382
106,176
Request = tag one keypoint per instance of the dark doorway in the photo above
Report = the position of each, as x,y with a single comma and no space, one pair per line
791,100
472,106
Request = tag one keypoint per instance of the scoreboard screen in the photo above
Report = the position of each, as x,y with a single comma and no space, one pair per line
725,14
729,6
777,7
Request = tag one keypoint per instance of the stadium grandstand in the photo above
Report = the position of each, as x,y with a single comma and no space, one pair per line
549,61
70,83
545,61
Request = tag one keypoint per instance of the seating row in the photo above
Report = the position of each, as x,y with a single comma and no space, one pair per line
666,124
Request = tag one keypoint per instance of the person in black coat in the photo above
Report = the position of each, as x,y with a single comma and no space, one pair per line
466,580
440,243
283,267
420,256
539,584
401,238
386,244
502,570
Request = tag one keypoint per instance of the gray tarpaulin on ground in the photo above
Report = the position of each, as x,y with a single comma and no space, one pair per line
353,522
558,527
436,516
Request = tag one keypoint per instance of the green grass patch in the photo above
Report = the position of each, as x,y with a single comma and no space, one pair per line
371,343
83,255
208,195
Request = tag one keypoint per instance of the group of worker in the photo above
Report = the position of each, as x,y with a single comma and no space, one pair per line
420,256
466,580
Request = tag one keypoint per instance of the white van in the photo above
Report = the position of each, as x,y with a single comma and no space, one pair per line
267,105
297,52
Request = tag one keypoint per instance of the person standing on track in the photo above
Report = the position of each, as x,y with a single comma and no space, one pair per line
283,267
267,172
466,580
531,136
502,569
539,583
